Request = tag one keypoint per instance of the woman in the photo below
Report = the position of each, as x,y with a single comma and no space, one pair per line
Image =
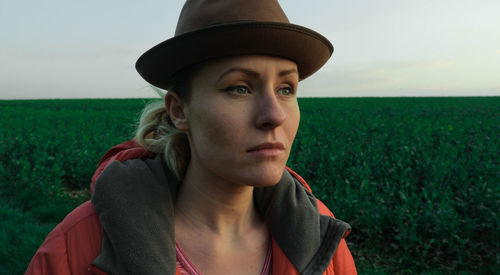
205,190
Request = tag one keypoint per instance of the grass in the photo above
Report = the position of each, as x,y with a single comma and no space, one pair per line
417,178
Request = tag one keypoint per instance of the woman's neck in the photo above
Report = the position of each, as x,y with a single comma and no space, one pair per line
210,205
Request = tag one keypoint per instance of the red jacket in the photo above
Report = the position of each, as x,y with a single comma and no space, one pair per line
74,243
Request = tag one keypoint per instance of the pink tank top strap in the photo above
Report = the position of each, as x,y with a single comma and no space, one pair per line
186,267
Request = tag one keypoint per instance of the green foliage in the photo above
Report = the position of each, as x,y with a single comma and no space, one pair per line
20,235
49,151
417,178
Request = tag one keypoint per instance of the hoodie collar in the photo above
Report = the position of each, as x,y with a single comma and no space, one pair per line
135,203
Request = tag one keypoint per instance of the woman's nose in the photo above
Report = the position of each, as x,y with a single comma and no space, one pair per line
270,112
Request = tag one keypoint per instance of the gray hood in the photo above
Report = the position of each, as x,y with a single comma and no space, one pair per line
135,203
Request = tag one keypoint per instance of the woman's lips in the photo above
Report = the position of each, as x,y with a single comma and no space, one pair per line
267,149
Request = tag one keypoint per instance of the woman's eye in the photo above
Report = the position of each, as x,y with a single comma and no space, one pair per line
285,91
239,90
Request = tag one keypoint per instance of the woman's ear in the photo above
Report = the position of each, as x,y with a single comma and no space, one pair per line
176,111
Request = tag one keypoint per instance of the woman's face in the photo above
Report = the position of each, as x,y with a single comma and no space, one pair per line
242,117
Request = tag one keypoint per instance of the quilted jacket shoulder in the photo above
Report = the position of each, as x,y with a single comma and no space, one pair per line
72,246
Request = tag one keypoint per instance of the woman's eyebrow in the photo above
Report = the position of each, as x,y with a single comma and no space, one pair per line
246,71
253,73
286,72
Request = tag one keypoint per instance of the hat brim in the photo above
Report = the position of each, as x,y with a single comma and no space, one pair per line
307,48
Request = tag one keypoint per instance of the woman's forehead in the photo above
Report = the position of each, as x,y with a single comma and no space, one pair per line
252,65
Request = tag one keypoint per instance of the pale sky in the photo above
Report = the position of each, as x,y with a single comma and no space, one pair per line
87,49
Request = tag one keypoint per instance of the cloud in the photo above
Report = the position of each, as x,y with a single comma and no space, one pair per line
430,77
379,76
414,64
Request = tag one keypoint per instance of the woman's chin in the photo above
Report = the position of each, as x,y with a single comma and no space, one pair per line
268,175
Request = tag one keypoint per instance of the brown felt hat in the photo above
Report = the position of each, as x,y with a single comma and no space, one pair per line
209,29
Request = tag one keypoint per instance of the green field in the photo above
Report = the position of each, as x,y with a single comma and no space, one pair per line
418,179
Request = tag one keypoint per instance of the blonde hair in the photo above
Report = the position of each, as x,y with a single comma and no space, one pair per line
157,134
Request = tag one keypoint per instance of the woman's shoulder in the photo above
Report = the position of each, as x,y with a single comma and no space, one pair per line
322,208
124,151
342,261
82,216
71,246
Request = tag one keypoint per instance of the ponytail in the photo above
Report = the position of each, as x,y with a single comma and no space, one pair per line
157,134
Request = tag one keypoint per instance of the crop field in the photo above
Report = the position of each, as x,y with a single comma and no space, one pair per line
418,179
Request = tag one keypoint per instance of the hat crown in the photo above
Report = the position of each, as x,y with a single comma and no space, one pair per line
199,14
